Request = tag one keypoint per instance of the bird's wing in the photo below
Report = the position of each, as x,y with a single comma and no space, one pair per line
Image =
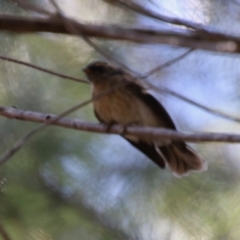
159,111
152,103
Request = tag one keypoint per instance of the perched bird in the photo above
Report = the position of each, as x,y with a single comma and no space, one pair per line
132,105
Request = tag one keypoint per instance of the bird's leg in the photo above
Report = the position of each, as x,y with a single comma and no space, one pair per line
108,126
124,128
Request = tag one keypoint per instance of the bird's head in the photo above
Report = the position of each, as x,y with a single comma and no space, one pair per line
100,71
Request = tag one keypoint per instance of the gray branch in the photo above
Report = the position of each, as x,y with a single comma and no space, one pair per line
154,133
212,41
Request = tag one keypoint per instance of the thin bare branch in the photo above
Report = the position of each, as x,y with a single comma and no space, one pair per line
194,103
55,5
43,69
182,38
135,7
167,64
154,133
103,53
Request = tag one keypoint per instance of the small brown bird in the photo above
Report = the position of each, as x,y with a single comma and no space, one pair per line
132,105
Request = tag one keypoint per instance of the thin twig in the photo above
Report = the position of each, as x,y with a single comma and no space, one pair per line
167,64
42,69
194,103
70,26
135,7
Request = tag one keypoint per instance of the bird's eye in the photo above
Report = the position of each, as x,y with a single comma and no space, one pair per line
99,69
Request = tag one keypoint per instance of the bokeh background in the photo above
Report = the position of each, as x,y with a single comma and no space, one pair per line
72,185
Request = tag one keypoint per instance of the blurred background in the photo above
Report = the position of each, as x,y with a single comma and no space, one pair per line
68,184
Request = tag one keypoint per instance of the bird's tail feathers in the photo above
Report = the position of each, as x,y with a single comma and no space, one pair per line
181,159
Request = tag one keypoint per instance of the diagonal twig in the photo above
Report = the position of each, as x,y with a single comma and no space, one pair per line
194,103
167,64
135,7
42,69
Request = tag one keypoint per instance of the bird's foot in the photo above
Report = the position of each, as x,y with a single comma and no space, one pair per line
124,128
108,126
